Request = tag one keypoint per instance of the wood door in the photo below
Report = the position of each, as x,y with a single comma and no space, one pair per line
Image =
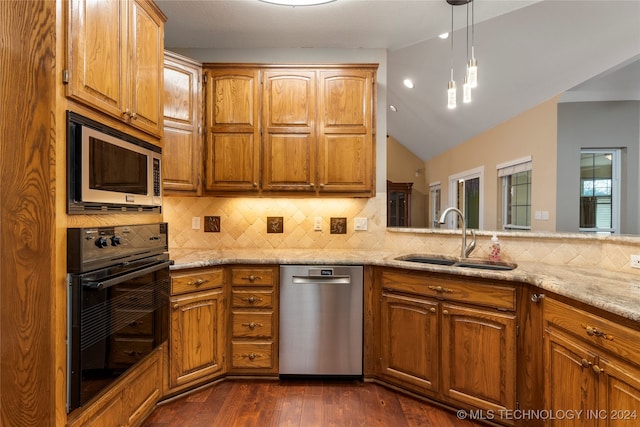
182,161
619,393
197,336
232,158
145,75
479,357
346,147
569,379
409,341
289,140
97,37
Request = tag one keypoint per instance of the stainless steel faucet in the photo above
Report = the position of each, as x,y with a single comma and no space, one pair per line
464,251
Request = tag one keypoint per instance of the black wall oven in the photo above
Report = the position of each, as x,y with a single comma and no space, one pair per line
118,303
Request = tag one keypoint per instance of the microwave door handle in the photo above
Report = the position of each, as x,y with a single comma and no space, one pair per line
110,282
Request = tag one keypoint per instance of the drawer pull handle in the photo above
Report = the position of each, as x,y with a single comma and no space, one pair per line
252,300
585,363
440,289
598,370
250,356
198,283
132,353
252,325
595,332
251,278
136,323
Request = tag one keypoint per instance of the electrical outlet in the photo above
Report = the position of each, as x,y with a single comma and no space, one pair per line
317,223
634,261
360,224
195,223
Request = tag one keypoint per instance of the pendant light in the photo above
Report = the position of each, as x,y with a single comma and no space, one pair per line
451,88
466,87
473,64
471,74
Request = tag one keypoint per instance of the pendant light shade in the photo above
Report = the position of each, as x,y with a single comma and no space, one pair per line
471,75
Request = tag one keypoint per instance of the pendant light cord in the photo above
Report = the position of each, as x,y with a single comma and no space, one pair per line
452,42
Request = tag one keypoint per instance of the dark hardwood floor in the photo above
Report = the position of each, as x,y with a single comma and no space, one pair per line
252,403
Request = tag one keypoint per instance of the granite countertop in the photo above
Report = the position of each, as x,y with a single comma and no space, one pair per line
614,292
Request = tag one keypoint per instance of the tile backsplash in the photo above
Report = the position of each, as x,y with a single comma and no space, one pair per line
243,224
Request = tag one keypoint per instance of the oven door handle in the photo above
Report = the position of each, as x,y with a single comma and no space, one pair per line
114,281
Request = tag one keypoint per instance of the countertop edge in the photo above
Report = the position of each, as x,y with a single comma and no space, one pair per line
613,292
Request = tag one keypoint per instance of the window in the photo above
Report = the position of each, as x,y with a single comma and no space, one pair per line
599,190
466,192
515,180
434,197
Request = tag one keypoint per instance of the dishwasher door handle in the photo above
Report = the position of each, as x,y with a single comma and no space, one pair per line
319,280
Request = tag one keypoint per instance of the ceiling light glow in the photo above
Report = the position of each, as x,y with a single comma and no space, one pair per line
408,83
298,2
393,108
444,36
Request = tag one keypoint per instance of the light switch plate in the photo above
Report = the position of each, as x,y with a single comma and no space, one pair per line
317,223
195,223
634,261
360,224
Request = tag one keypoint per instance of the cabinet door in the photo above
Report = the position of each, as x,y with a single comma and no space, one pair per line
478,357
197,336
409,341
289,141
97,54
182,151
619,393
345,155
232,158
145,76
570,382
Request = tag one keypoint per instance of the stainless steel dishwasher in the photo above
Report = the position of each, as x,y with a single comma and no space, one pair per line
321,320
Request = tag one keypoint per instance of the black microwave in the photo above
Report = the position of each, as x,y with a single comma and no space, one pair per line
110,171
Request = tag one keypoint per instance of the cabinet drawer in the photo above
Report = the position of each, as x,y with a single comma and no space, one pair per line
142,298
247,299
252,354
252,276
600,332
482,293
252,324
198,280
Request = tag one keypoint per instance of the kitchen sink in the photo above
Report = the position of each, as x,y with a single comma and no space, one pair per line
428,259
486,265
456,262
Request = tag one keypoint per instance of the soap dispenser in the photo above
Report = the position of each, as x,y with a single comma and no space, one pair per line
494,249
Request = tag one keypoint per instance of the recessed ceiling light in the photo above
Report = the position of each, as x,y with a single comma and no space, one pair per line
298,2
444,36
393,108
408,83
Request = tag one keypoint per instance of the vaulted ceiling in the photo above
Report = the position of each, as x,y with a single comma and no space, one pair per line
527,51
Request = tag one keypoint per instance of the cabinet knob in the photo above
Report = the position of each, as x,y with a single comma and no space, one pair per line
255,185
252,325
432,310
198,282
440,289
250,356
445,312
134,116
176,306
252,299
597,369
585,363
251,278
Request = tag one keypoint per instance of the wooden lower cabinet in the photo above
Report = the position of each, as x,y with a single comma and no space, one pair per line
254,319
129,401
197,335
592,368
410,341
479,357
451,340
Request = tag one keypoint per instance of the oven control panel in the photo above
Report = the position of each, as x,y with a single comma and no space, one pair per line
94,247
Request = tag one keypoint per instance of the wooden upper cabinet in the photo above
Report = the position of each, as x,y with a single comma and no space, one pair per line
182,165
232,147
346,146
274,130
289,139
115,59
